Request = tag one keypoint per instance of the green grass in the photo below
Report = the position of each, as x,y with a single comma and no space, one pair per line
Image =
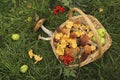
13,54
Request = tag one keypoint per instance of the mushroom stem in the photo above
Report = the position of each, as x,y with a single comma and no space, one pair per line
43,38
46,31
91,42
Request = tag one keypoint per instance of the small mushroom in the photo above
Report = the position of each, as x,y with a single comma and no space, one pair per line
87,49
84,40
37,58
73,35
39,24
83,57
30,53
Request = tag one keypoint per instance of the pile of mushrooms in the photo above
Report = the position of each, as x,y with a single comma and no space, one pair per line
85,45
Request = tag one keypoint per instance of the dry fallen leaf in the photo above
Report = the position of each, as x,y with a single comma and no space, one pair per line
29,5
36,17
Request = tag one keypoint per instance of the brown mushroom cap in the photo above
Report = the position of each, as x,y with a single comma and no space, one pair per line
38,24
83,57
72,35
87,49
59,30
84,40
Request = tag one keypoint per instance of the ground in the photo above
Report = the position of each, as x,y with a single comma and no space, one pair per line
18,16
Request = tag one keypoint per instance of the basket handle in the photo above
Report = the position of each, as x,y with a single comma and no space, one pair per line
70,13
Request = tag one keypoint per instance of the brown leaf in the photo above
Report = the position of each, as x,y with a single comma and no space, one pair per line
36,17
29,5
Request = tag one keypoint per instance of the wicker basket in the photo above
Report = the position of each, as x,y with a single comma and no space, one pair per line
92,22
